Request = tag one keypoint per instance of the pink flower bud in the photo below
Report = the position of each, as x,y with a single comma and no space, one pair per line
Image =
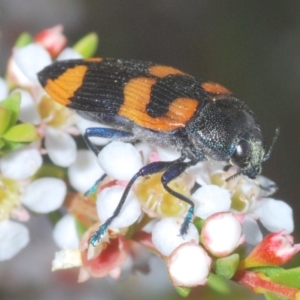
275,249
52,39
189,265
222,233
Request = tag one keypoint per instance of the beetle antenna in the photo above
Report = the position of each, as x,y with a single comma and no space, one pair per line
267,156
233,176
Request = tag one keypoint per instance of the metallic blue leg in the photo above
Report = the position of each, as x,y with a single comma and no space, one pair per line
151,168
171,173
109,133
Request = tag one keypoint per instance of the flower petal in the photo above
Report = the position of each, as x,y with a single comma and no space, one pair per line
68,53
28,112
145,150
66,258
84,172
107,201
167,154
31,59
3,89
275,215
251,230
14,237
166,238
65,233
44,195
61,147
120,160
21,164
211,199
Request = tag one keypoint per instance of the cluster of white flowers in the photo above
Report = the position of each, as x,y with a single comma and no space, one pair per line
20,189
229,210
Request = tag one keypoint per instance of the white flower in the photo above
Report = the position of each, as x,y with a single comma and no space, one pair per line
107,202
44,195
26,62
21,164
14,237
189,265
166,238
120,160
221,234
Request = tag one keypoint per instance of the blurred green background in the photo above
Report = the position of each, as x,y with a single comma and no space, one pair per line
251,47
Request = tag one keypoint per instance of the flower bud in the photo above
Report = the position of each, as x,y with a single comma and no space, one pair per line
222,234
189,265
275,249
52,39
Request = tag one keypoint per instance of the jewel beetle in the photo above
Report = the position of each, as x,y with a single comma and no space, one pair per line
163,106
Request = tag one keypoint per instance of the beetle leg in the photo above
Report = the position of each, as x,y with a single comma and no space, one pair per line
171,173
109,133
149,169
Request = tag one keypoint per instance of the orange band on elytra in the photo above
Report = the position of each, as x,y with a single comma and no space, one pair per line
137,94
215,88
162,71
64,87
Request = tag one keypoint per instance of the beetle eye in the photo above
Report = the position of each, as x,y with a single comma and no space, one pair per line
241,155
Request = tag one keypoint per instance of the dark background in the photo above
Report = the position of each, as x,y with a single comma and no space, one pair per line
251,47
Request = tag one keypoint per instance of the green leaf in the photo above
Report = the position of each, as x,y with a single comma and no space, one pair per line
23,40
1,143
12,103
218,284
289,277
87,46
55,216
269,271
10,146
199,223
5,115
182,291
80,228
50,170
270,296
226,266
24,132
